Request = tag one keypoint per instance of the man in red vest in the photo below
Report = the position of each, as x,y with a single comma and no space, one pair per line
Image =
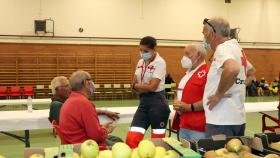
188,106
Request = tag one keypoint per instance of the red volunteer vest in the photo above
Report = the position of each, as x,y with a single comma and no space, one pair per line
193,92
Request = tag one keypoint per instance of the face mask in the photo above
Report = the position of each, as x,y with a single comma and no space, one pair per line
146,56
186,62
92,90
206,45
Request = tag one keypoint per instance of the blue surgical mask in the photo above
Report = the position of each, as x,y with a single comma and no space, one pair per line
92,90
206,45
146,55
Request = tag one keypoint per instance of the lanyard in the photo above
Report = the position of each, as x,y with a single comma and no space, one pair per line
143,71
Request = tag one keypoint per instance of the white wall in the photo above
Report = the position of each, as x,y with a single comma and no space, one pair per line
165,19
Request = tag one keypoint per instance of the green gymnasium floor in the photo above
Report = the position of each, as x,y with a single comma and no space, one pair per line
12,148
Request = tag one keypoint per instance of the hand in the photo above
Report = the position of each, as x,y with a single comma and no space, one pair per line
112,115
109,127
179,106
214,99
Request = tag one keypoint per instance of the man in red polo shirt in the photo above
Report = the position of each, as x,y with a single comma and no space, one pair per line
78,119
188,106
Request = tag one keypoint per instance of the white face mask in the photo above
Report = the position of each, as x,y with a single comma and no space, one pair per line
186,62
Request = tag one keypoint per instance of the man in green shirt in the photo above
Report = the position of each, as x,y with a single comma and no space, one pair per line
61,91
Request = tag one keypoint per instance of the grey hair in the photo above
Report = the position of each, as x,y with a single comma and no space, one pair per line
199,49
56,82
77,79
221,26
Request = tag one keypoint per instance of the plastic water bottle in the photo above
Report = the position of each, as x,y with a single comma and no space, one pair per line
29,104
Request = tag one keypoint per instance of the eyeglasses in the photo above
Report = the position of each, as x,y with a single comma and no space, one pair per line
205,21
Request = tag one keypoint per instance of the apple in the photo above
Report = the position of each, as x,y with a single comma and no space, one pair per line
121,150
76,155
146,149
36,156
1,156
134,153
172,154
89,149
105,154
160,152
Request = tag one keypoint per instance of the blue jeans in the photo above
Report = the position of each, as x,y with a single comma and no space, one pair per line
190,134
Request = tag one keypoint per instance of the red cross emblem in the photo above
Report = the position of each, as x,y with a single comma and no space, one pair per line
151,68
244,61
202,73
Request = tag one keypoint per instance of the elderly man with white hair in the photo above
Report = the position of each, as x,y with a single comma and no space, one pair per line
61,91
190,117
226,77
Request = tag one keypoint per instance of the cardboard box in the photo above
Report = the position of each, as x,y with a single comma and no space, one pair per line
219,141
29,151
267,139
158,142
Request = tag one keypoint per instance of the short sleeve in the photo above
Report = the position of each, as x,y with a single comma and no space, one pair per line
160,70
222,54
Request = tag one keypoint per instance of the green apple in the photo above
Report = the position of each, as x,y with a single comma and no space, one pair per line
1,156
105,154
172,154
160,152
135,153
36,156
89,149
146,149
76,155
121,150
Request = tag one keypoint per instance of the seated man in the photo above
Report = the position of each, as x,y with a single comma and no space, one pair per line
61,91
274,86
78,119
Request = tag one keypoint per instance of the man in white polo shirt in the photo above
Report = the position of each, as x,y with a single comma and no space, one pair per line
226,77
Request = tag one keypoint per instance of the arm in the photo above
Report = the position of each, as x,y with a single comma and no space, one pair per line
113,115
184,107
228,77
151,87
229,74
250,73
92,126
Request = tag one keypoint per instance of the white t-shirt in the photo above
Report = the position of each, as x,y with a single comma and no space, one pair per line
230,110
184,81
156,69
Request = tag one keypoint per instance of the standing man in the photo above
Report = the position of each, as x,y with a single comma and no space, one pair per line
188,106
226,77
149,82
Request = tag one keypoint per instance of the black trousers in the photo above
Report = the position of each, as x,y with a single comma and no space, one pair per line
153,110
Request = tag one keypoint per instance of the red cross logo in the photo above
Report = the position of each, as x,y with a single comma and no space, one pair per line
201,74
244,61
151,68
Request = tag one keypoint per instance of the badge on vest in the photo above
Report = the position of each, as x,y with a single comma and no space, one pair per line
201,73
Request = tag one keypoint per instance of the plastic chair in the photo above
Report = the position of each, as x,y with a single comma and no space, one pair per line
59,132
28,91
265,126
39,90
4,92
15,91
